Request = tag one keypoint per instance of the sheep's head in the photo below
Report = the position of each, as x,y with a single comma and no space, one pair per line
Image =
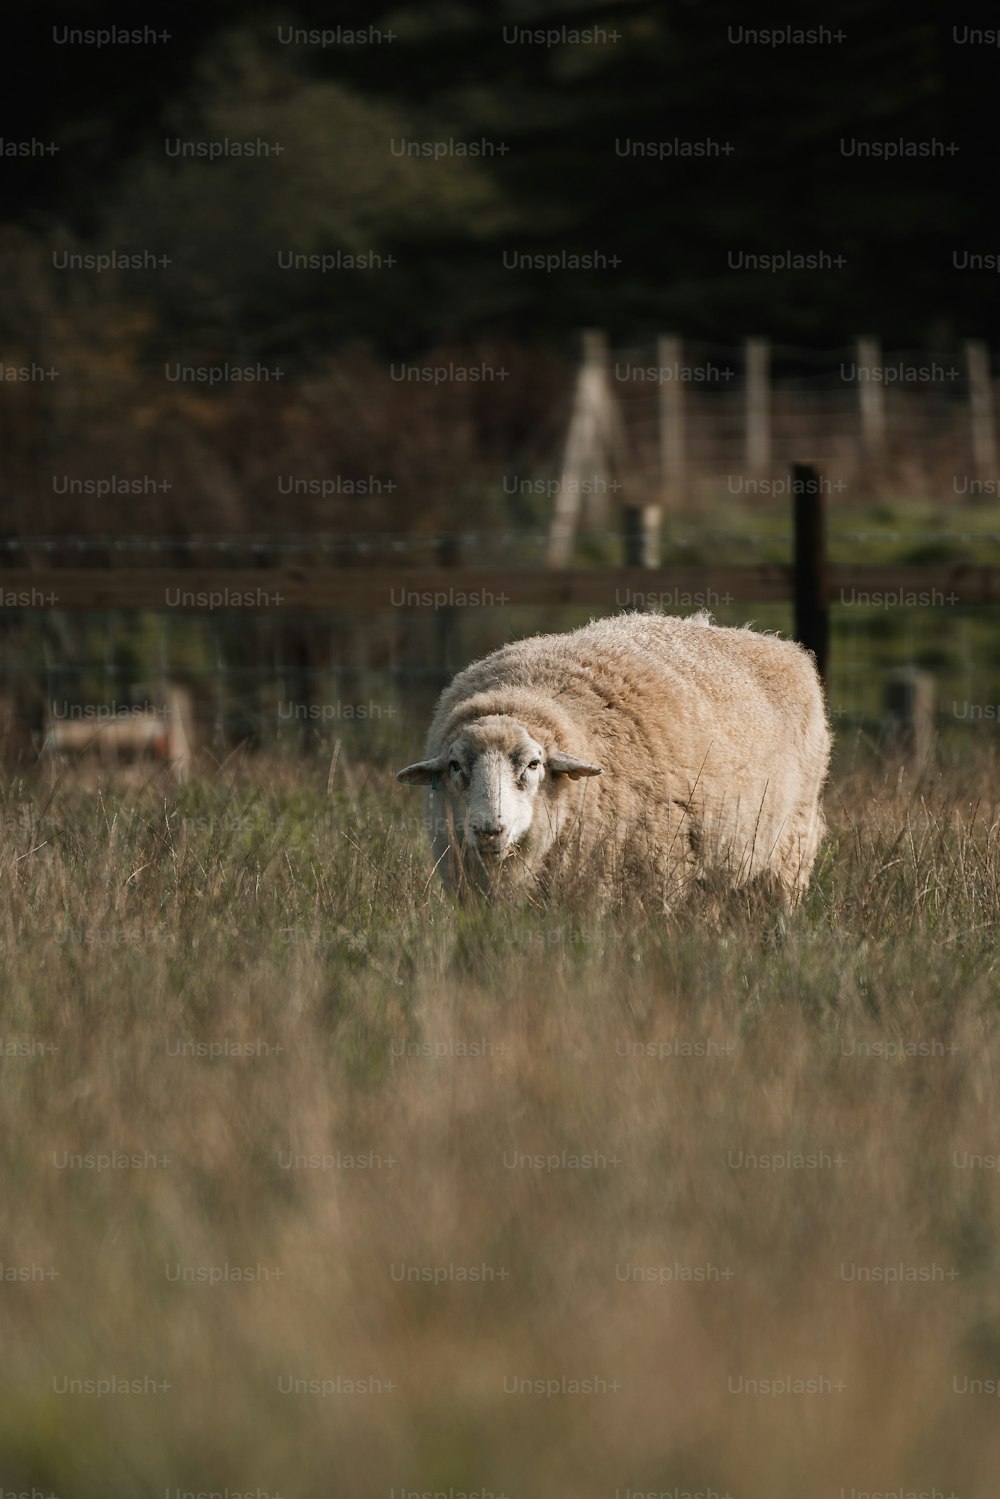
495,770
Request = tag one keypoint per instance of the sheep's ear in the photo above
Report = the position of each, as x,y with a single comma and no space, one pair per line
566,765
424,773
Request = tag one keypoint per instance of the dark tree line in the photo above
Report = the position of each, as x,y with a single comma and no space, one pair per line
568,182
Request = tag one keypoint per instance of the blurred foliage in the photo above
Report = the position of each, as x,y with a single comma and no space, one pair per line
663,72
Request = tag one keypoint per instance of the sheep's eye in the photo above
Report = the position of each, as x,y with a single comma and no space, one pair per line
534,764
454,767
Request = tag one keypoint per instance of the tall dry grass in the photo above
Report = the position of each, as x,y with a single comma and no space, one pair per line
458,1067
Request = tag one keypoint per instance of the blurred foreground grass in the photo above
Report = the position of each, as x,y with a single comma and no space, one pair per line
391,1162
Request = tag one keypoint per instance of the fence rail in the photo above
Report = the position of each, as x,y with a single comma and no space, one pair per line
299,620
202,590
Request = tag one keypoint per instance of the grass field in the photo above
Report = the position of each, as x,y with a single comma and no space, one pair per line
370,1194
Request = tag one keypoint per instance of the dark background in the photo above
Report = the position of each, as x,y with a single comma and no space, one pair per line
673,72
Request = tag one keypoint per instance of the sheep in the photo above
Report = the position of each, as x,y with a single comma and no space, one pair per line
655,745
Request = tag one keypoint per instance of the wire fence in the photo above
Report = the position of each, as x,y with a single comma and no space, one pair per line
708,430
304,684
692,427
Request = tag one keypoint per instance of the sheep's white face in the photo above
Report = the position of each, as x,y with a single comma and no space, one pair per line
494,771
495,780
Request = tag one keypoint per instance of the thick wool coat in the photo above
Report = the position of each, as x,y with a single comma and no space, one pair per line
714,746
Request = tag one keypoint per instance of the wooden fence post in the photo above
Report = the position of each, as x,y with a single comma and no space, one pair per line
758,405
594,446
178,708
909,714
673,457
812,615
641,535
984,442
871,399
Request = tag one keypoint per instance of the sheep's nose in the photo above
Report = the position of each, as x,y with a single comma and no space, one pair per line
491,833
